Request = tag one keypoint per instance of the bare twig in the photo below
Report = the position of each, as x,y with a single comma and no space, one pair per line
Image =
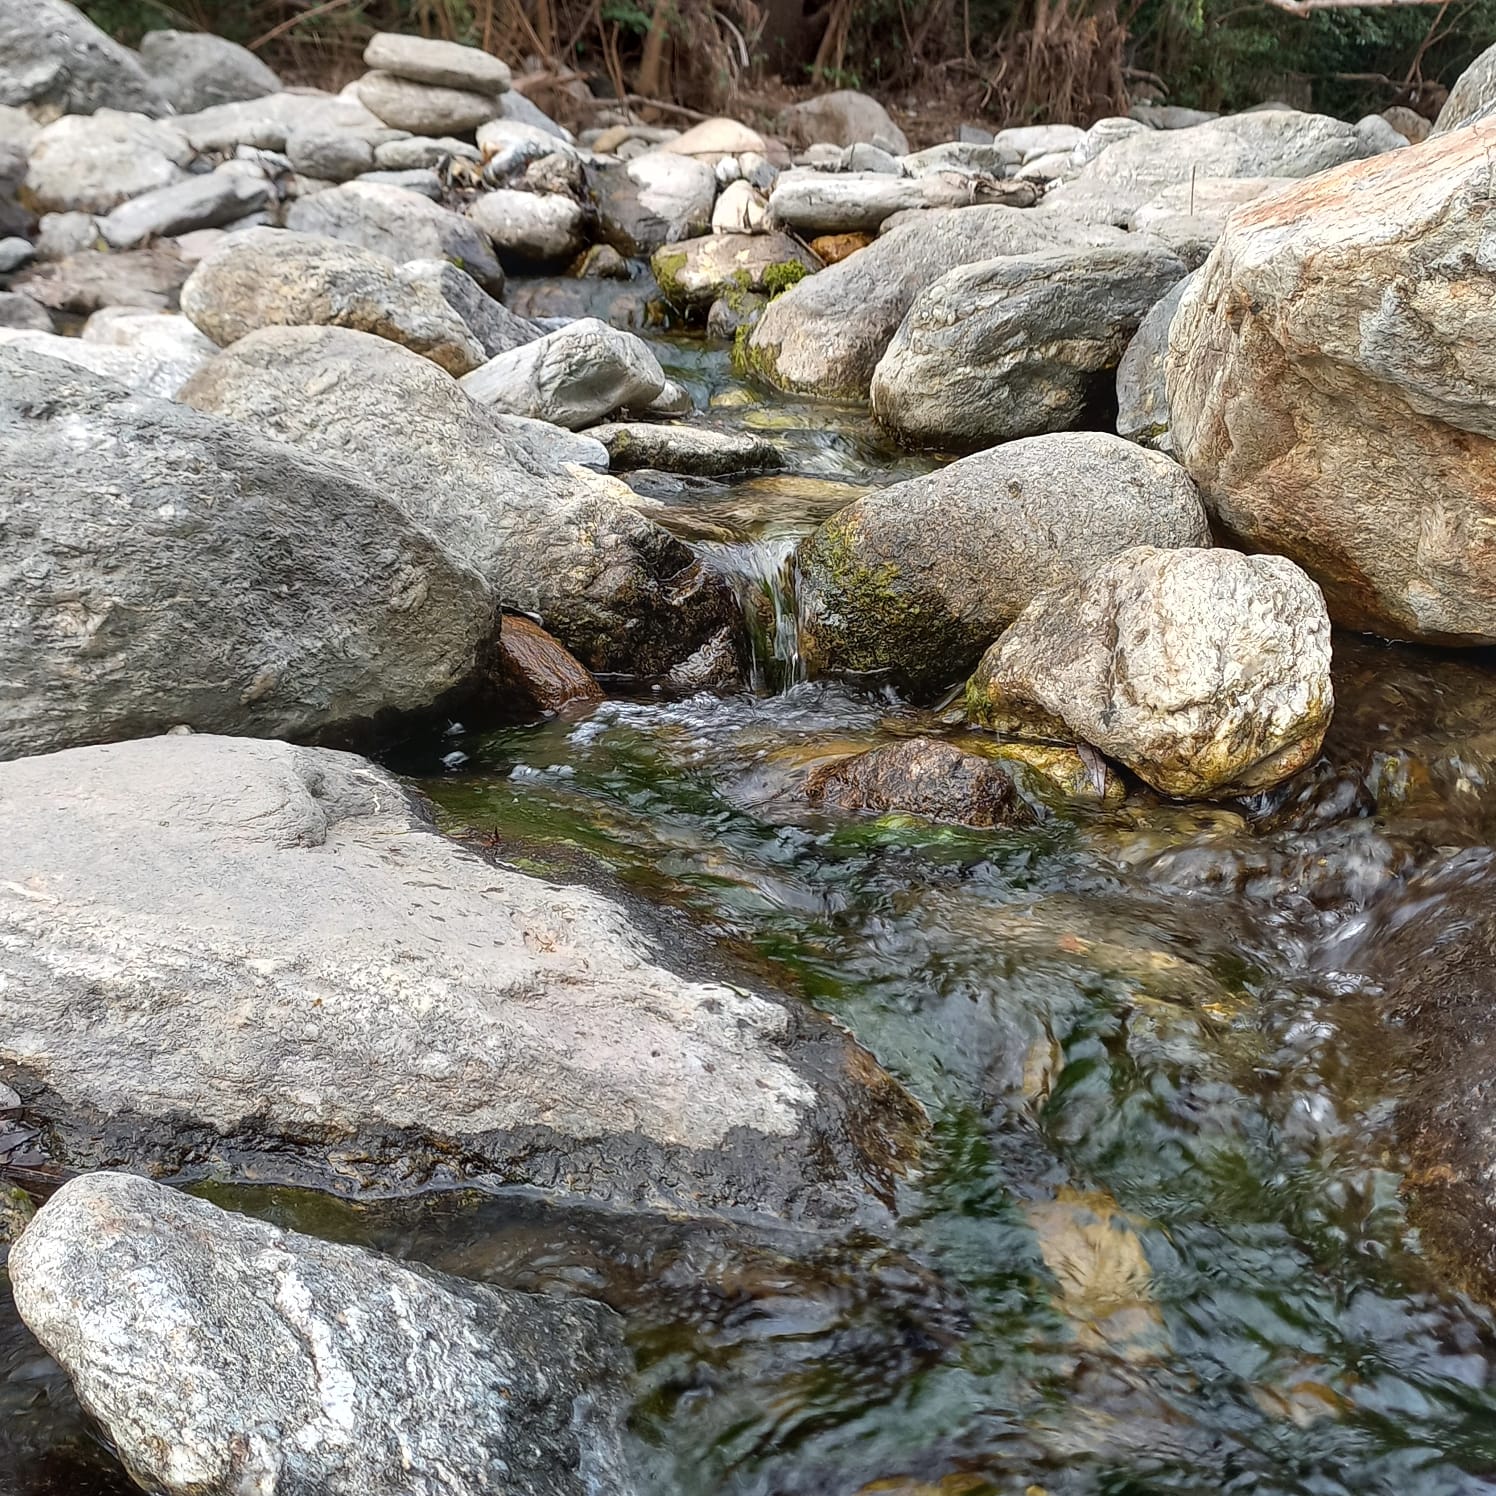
293,21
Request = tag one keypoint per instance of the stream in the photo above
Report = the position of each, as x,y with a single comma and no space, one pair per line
1160,1243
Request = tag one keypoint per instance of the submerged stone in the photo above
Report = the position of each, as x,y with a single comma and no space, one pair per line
926,777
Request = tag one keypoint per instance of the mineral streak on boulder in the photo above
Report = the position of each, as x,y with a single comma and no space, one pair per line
224,1356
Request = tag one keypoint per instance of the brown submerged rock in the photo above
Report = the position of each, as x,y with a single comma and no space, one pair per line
925,777
541,669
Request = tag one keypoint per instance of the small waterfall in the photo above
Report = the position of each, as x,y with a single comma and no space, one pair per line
762,572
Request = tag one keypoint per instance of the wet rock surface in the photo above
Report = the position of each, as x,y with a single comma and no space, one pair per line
924,777
222,1354
617,1075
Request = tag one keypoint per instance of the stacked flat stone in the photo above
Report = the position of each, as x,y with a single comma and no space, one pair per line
430,87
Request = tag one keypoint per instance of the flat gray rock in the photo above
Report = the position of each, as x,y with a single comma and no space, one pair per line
92,163
200,202
196,70
400,226
224,1355
422,108
567,544
817,202
158,567
54,59
441,64
149,352
1014,346
363,1003
914,581
267,123
280,278
574,377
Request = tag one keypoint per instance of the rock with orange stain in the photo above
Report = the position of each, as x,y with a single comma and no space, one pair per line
541,669
831,249
1331,381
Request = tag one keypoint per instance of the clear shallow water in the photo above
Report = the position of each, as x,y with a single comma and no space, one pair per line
1158,1244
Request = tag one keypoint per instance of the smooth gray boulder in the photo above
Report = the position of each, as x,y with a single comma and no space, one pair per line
437,63
151,357
331,154
914,581
685,449
55,61
267,123
92,163
817,202
1377,135
574,377
843,117
199,202
652,200
1190,217
224,1355
555,540
496,328
280,278
1264,143
1206,672
534,227
1473,96
196,70
84,282
364,1004
1013,347
158,566
825,335
422,152
421,108
400,226
1142,392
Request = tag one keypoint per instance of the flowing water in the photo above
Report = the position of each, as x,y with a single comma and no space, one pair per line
1160,1243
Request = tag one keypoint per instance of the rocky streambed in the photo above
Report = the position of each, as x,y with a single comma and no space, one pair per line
741,809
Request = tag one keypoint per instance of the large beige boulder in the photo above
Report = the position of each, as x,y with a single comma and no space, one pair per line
1206,672
1332,387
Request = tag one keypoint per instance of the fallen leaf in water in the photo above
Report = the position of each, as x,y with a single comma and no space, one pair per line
1096,1255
